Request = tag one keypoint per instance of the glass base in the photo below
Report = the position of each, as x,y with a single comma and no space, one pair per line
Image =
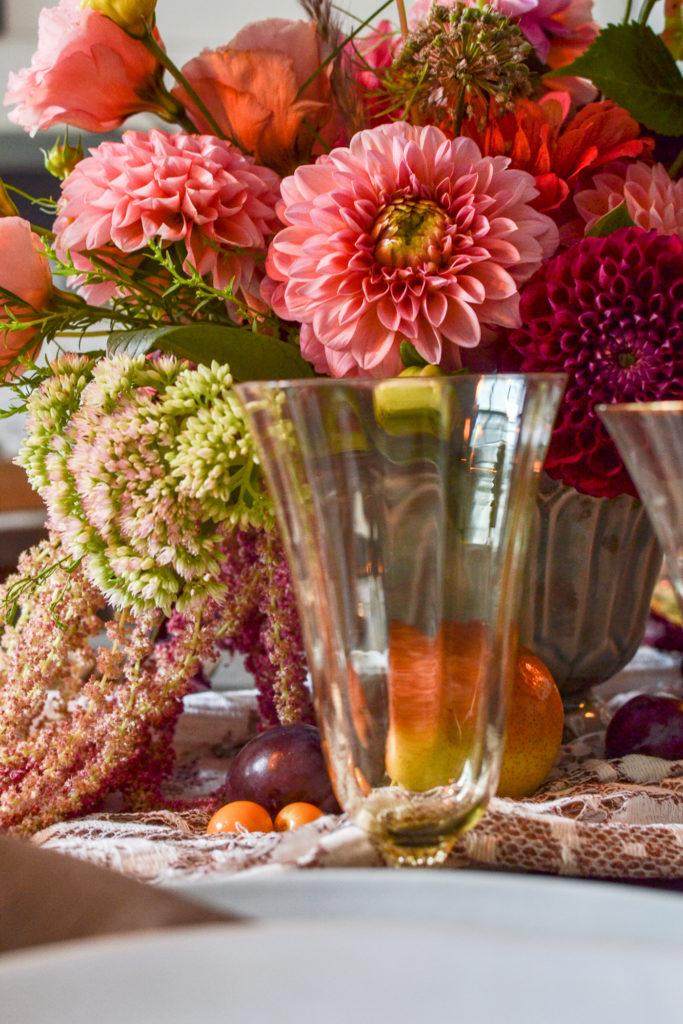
422,847
414,856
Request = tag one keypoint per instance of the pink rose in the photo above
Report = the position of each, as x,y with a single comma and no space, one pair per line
24,271
86,72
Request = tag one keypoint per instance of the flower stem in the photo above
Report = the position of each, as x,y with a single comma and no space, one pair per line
402,19
163,58
459,111
42,232
676,166
646,11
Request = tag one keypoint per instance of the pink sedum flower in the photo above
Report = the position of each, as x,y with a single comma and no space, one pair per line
24,271
195,191
405,234
86,72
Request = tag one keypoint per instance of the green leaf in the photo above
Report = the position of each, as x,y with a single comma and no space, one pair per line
616,218
410,356
632,66
249,355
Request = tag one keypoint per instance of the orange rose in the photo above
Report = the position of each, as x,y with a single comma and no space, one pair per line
251,87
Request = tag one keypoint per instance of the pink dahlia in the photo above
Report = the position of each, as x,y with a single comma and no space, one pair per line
405,234
653,200
195,191
606,192
609,313
86,72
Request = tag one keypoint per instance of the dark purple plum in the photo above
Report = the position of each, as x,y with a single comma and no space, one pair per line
662,633
647,724
280,766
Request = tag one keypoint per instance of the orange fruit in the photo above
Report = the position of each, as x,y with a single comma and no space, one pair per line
435,684
534,728
296,814
241,815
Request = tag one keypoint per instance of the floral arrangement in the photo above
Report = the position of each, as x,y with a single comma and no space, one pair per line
484,186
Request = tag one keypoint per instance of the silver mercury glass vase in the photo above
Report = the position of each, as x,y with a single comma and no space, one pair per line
591,570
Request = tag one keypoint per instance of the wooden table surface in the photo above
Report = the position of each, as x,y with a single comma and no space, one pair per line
16,494
22,516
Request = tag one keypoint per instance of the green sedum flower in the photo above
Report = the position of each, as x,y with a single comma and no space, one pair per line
214,460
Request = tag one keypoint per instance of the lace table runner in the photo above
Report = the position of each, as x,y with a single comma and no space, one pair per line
619,819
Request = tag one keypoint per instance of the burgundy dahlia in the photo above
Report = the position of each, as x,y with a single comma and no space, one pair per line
609,313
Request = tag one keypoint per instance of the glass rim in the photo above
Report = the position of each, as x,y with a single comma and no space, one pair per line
624,408
555,377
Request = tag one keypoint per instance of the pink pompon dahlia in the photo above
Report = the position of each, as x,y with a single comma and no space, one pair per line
195,191
86,72
606,192
653,200
405,234
609,313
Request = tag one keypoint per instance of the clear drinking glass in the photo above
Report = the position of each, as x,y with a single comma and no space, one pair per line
649,436
404,506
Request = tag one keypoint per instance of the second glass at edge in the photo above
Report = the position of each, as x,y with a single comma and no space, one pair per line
649,436
405,506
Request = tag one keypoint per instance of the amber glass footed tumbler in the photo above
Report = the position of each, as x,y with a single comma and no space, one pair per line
405,506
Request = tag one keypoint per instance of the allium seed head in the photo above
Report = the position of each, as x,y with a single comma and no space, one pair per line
461,58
